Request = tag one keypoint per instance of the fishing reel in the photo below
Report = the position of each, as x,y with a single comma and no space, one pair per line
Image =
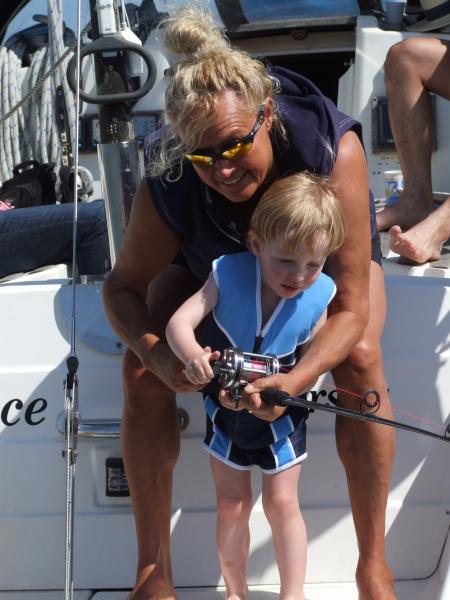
235,369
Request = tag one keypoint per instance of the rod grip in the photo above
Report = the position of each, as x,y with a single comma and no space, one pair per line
275,397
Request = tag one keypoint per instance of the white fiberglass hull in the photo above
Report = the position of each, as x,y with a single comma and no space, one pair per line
35,334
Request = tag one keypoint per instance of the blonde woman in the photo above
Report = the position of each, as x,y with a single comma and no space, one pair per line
234,129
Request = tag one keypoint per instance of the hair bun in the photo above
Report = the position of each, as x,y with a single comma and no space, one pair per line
191,33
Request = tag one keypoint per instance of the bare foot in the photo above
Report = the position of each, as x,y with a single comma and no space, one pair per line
424,241
407,212
375,583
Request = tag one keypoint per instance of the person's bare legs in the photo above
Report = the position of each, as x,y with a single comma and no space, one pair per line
423,242
234,505
413,68
150,444
281,507
367,450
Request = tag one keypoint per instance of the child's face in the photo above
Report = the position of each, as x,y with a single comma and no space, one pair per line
287,273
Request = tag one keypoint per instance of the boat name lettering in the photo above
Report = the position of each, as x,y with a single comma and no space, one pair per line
10,412
314,395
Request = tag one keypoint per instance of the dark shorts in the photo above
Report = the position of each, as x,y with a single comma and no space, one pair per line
376,249
287,449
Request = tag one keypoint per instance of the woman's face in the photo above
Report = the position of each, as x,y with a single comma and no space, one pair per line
237,179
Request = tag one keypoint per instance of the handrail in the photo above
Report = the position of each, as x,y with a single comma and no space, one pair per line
92,428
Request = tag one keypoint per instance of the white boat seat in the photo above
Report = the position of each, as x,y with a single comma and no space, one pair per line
59,271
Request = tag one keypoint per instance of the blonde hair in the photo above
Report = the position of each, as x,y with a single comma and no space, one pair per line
207,68
301,208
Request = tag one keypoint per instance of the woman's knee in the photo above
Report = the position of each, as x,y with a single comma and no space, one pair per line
364,358
140,384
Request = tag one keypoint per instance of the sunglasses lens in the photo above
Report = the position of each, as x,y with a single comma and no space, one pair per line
200,159
238,151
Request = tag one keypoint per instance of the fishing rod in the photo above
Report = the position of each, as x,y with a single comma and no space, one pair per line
236,369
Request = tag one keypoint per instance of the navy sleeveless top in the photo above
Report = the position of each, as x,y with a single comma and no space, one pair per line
199,216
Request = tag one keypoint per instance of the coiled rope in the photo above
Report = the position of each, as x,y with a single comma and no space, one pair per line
28,116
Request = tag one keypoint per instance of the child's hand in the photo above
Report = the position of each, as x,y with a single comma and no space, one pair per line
199,370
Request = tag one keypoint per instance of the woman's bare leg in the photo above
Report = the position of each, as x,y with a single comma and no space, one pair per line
150,443
281,507
367,450
234,505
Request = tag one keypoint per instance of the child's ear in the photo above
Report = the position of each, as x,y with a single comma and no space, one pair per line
254,243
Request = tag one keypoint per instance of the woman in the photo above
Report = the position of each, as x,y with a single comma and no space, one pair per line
231,134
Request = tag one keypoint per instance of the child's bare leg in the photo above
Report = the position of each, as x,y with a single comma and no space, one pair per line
234,505
281,507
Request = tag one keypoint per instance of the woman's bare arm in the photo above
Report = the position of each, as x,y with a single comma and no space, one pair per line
350,268
348,313
147,248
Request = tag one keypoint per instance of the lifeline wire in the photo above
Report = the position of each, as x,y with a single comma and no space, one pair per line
71,398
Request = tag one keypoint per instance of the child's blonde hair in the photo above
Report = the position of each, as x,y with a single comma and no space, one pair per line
300,208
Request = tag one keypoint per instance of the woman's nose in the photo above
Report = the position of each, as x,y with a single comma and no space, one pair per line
225,167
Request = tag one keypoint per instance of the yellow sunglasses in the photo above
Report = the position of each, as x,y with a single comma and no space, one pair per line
233,151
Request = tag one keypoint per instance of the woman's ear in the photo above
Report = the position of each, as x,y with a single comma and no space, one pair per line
254,243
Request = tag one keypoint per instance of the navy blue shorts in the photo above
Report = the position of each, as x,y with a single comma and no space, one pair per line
287,448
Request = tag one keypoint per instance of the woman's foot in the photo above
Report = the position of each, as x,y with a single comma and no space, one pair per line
151,586
375,582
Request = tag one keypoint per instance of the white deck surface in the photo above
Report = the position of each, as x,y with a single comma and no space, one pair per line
406,590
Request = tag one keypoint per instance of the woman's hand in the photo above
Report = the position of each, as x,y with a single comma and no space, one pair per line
257,406
227,401
161,361
199,370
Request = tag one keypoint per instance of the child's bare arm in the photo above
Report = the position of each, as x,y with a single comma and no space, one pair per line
180,333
